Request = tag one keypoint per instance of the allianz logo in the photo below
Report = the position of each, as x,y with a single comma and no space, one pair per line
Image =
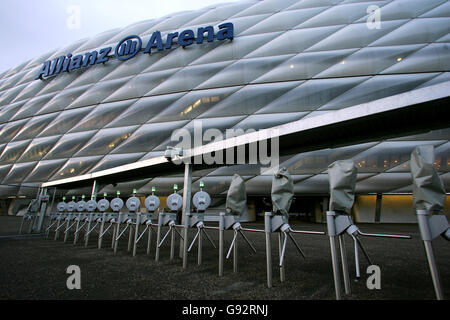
130,46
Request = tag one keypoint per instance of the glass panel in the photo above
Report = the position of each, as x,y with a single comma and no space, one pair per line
10,82
164,186
59,83
356,35
32,106
125,188
140,85
111,161
221,13
102,115
376,88
34,127
249,99
69,144
294,41
10,130
18,172
144,109
44,170
384,182
282,21
262,121
368,61
338,15
240,48
441,77
65,121
442,10
305,65
416,31
75,167
314,3
135,28
94,73
95,94
311,95
193,104
179,57
8,112
63,99
105,141
175,20
30,90
9,95
243,71
318,161
38,148
243,169
221,124
13,151
148,136
188,78
434,57
407,9
387,155
259,185
316,184
4,170
134,66
270,6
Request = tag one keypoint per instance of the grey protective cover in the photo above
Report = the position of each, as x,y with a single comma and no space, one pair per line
342,178
428,189
282,191
237,196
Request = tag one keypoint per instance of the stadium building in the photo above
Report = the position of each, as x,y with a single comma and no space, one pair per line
116,99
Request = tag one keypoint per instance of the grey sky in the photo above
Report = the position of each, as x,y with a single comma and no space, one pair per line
30,28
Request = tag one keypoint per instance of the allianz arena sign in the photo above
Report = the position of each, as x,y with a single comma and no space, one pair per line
130,46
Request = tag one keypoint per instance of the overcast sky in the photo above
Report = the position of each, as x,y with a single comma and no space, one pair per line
30,28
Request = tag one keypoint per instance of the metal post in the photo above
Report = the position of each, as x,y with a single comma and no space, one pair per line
425,232
221,230
332,234
200,247
268,232
100,234
235,253
172,243
66,234
280,248
57,227
136,232
117,233
158,236
42,212
88,229
149,239
186,208
358,273
130,236
344,264
77,225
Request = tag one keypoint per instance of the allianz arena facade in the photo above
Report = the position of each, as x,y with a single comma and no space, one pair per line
116,98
